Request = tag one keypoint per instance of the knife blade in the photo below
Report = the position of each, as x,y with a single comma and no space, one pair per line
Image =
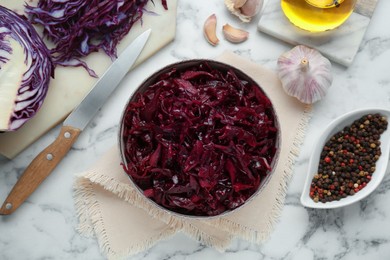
46,161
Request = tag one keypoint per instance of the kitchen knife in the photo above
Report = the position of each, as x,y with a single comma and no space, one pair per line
45,162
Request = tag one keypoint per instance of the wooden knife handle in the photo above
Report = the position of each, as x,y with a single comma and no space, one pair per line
40,168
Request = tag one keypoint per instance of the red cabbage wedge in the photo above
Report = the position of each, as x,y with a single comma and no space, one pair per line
25,70
199,140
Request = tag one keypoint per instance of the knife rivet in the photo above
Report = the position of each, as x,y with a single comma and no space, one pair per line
49,157
67,135
8,206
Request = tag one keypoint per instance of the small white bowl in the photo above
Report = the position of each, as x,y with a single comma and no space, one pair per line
381,165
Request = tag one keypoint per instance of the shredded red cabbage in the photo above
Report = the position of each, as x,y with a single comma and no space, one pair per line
79,27
199,141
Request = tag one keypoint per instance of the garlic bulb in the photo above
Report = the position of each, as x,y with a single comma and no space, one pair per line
244,9
305,74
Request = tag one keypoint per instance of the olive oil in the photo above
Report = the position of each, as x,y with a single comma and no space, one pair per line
317,15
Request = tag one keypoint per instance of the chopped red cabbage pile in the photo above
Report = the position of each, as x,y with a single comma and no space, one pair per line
79,27
199,141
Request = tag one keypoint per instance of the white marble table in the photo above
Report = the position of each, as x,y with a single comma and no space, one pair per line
44,227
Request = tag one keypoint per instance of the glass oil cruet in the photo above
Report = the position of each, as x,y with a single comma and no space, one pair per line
318,15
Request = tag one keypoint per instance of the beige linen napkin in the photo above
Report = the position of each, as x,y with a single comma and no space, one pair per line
124,223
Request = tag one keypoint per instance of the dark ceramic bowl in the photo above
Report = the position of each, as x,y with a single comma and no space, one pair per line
183,65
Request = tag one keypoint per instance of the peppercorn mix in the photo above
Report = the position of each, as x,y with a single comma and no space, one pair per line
348,159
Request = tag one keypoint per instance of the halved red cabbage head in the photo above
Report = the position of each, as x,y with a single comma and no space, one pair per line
79,27
25,70
199,140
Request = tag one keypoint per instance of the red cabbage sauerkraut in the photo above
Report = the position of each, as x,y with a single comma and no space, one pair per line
199,140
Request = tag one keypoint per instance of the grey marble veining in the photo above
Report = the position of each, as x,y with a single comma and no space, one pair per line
44,227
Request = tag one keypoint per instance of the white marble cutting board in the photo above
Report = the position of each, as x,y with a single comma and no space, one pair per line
71,84
339,45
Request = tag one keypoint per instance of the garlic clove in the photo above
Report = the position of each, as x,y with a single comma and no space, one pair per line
305,74
251,7
234,35
209,29
244,9
238,3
